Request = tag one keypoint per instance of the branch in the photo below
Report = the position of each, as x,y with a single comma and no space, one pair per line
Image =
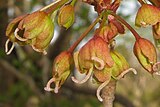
25,78
108,94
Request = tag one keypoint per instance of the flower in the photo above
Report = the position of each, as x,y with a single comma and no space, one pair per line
96,58
94,55
147,15
62,67
35,29
145,52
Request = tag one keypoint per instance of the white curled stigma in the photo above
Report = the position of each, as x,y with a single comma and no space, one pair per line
6,47
156,68
100,61
18,37
125,72
48,88
99,90
85,79
44,52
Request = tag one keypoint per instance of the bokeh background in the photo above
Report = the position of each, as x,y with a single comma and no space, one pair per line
24,73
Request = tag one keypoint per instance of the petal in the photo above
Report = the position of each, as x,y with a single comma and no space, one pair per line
148,50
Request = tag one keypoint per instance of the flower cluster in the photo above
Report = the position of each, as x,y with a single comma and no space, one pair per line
97,59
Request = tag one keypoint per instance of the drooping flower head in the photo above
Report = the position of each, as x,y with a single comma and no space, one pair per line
145,52
147,15
35,29
95,54
62,67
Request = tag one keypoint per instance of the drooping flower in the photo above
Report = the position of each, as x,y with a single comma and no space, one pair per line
95,54
35,29
95,58
147,15
145,52
62,67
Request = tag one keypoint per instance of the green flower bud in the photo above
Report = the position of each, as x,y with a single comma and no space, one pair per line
62,67
66,16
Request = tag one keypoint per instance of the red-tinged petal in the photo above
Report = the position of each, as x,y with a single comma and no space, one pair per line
108,32
118,25
34,24
145,53
84,57
102,75
102,51
148,49
14,24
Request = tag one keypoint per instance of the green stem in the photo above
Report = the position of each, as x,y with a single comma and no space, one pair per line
71,49
104,19
54,6
136,35
73,2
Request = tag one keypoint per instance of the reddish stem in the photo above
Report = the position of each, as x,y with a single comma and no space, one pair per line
141,2
71,49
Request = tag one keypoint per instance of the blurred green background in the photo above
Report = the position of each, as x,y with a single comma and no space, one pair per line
24,73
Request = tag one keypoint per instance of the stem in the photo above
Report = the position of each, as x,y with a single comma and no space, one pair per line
141,2
73,2
136,35
155,2
54,6
71,49
108,93
105,17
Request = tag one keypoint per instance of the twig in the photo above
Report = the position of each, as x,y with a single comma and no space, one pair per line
108,94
